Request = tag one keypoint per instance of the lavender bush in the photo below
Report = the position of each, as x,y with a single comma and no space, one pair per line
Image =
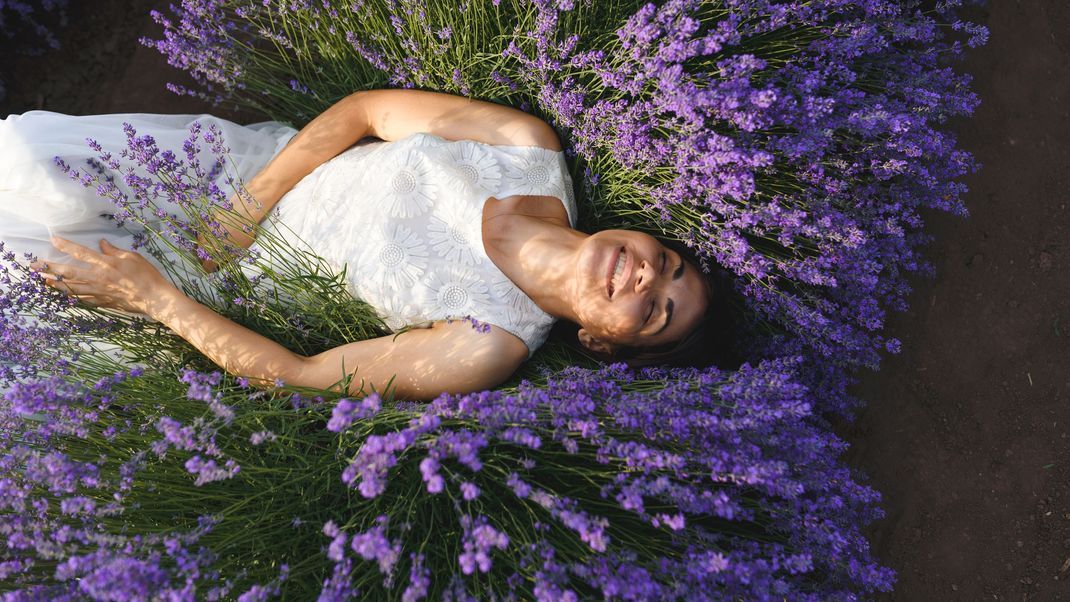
682,485
794,143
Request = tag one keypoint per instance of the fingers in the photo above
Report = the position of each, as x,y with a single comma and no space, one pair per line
78,251
76,287
63,270
81,290
109,249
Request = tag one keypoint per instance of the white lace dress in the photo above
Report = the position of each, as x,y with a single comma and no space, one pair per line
406,218
403,217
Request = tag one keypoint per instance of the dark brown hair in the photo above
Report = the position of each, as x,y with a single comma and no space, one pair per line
712,341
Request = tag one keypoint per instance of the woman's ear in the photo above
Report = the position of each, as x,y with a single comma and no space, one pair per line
595,345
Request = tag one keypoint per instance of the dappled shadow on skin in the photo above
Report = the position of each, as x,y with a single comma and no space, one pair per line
419,364
497,124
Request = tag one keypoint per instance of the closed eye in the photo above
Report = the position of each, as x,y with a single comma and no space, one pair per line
664,264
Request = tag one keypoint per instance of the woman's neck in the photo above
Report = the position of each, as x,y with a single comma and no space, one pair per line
537,252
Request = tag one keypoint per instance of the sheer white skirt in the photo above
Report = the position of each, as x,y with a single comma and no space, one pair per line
38,200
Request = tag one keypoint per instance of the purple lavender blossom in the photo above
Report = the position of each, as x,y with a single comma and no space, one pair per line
200,385
348,410
374,545
261,436
419,580
469,491
480,538
208,471
699,442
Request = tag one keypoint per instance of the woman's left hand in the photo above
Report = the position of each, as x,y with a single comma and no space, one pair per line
116,278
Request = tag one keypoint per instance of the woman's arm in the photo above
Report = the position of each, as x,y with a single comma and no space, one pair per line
395,114
422,363
331,132
451,358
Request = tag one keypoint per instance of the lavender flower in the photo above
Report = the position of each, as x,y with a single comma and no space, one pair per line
208,471
374,545
479,540
261,436
349,410
419,580
201,389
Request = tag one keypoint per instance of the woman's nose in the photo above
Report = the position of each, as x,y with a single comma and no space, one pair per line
644,277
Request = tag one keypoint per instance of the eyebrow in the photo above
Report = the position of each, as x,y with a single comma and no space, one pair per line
669,304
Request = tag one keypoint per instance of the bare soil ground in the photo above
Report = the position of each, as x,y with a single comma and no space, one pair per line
966,431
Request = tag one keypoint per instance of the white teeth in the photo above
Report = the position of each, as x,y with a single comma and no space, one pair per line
618,270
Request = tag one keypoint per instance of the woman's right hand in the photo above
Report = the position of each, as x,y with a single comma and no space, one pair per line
236,236
208,265
331,132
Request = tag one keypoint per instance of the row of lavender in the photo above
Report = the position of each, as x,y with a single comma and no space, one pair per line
791,143
684,485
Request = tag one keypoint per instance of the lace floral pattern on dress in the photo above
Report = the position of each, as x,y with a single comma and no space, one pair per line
459,292
405,217
454,231
532,173
475,166
400,257
412,187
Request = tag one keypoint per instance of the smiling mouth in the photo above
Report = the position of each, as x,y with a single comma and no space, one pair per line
613,278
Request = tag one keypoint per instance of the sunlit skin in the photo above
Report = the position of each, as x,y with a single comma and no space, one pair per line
569,274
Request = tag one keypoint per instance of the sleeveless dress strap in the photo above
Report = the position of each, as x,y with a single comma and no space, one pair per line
537,171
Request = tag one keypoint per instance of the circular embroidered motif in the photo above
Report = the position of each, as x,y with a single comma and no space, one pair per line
474,165
391,255
458,292
401,258
411,189
403,182
537,175
531,173
455,232
453,297
468,173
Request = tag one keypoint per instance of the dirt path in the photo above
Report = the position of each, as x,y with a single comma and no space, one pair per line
101,67
966,432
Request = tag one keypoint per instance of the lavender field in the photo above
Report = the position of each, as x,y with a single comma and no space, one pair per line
808,150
